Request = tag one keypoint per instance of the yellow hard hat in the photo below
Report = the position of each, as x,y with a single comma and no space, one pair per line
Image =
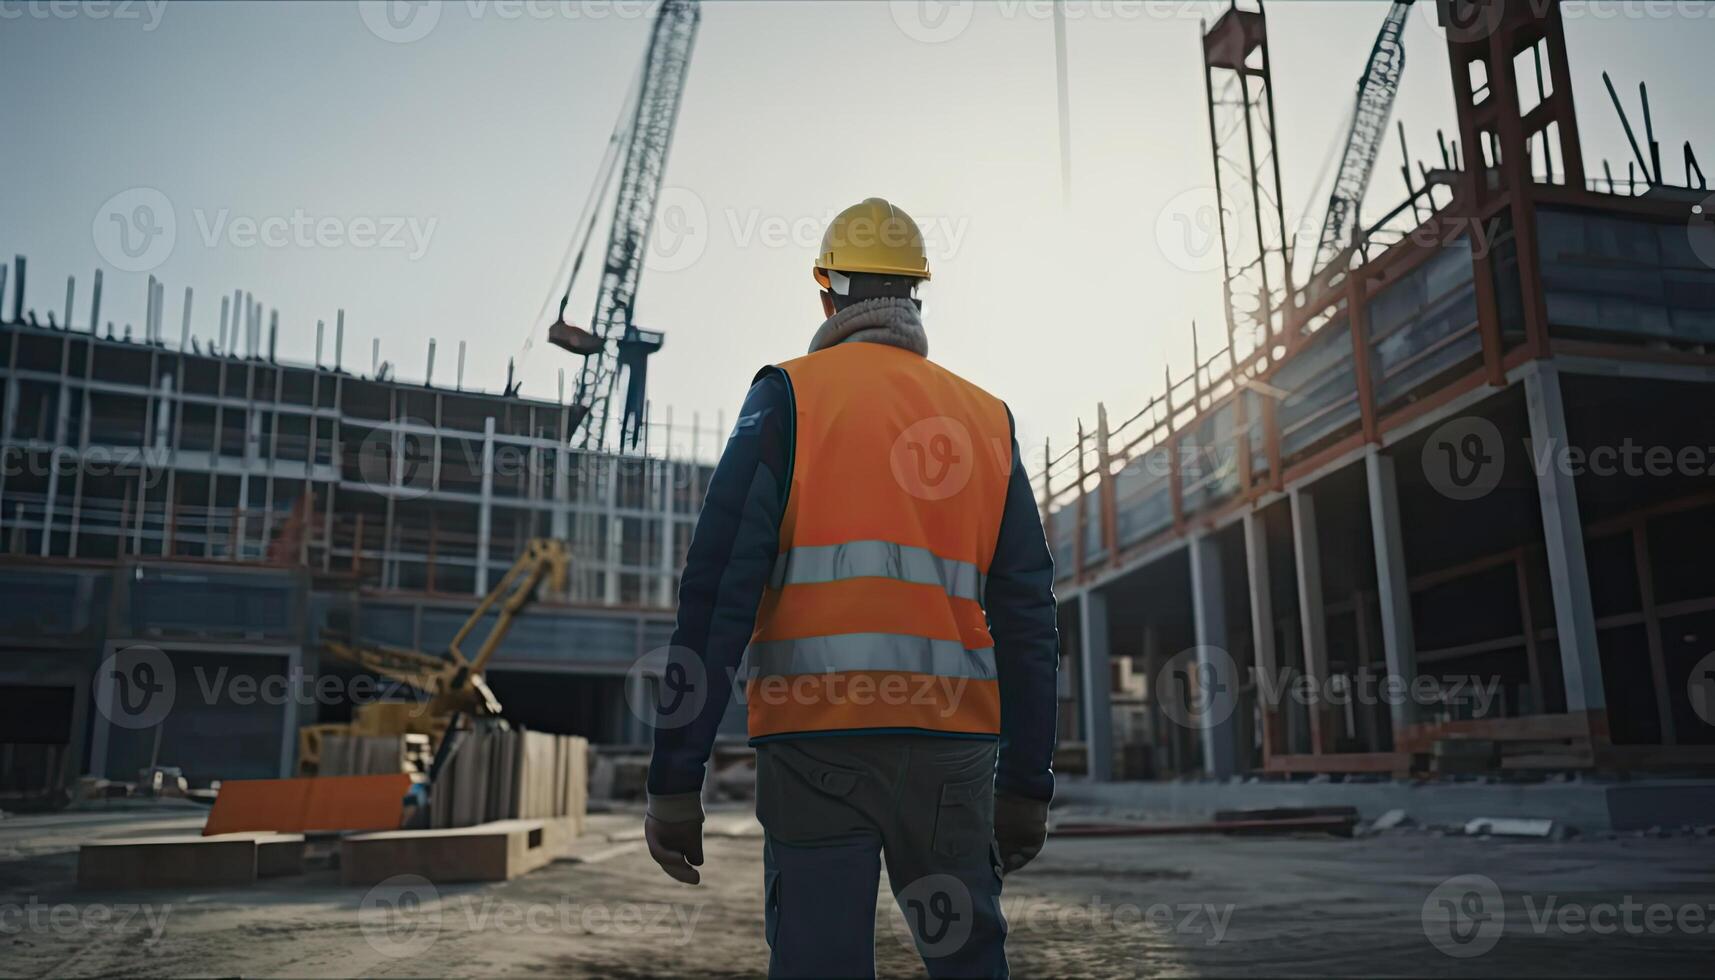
873,236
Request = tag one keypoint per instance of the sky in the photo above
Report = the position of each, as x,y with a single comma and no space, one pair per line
424,171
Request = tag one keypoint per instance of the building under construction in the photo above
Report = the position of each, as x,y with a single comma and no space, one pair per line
229,509
1469,450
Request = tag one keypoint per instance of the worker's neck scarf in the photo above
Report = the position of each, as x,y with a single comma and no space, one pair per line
885,320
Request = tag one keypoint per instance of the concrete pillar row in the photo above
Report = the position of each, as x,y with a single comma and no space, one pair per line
1563,538
1095,658
1216,671
1392,585
1313,620
1262,633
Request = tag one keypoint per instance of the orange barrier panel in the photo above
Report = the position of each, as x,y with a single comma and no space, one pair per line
293,806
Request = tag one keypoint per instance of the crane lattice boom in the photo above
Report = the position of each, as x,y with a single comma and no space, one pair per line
645,161
1376,93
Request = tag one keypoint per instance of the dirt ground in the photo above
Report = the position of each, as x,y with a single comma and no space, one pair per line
1396,904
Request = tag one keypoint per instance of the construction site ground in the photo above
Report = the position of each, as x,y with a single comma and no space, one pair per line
1167,906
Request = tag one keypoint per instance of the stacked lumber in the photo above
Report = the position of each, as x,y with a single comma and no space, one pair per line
512,775
362,755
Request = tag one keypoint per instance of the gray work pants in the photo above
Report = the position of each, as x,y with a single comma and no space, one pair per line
834,807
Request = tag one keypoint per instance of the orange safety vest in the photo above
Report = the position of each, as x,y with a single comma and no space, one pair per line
872,617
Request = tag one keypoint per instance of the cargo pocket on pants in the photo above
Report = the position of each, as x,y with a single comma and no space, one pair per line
799,798
963,819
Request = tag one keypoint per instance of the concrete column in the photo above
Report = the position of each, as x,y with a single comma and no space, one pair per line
1563,536
1392,587
1262,634
289,718
666,577
485,516
54,456
1095,658
1218,696
615,530
1312,615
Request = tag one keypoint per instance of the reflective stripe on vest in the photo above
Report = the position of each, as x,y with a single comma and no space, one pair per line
877,559
872,616
869,651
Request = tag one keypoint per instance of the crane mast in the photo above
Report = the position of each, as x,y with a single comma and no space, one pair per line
613,343
1376,92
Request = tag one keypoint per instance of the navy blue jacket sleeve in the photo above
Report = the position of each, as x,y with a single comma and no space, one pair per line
1019,599
731,554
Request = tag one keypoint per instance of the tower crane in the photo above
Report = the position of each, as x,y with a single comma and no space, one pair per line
1377,90
612,343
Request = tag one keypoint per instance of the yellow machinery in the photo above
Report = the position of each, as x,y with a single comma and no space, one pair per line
453,684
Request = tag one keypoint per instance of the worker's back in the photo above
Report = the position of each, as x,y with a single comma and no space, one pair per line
898,484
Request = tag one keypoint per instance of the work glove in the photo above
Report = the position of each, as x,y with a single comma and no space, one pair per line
673,828
1020,829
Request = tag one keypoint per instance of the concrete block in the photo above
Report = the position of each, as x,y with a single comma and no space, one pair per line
497,851
168,862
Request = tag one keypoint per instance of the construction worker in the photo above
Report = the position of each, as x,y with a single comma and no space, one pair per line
870,538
